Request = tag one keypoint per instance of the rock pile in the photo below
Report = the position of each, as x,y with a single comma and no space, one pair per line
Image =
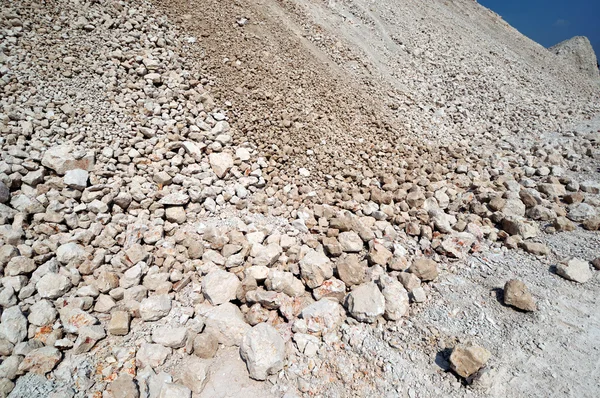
142,234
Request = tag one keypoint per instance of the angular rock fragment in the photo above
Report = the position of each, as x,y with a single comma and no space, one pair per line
466,360
517,295
263,350
575,270
366,302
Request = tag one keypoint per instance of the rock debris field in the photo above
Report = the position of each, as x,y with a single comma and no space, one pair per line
294,198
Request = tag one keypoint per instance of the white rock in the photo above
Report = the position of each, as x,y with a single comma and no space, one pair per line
303,172
221,163
174,337
42,313
171,390
396,297
155,307
243,154
19,265
13,325
268,255
323,316
53,285
263,350
76,179
63,158
350,241
315,268
575,270
366,302
71,253
220,286
152,355
226,322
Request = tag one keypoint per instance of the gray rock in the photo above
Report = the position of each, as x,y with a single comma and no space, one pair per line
580,212
10,366
263,350
4,193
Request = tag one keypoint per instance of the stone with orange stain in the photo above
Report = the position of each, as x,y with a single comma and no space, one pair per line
74,318
40,361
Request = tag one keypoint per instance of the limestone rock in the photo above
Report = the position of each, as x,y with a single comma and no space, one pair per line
366,302
152,355
575,270
220,163
517,295
323,316
40,360
173,337
351,271
13,325
315,268
263,350
579,52
220,286
424,268
467,360
226,322
155,307
63,158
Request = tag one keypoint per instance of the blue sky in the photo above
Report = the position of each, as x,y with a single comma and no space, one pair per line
551,21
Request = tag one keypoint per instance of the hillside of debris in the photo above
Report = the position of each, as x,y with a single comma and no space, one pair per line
293,198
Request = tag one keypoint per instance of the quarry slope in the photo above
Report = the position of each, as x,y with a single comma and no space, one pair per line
265,198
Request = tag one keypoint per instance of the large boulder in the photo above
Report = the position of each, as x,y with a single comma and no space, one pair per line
63,158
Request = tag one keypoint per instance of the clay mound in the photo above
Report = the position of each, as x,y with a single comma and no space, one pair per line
579,52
